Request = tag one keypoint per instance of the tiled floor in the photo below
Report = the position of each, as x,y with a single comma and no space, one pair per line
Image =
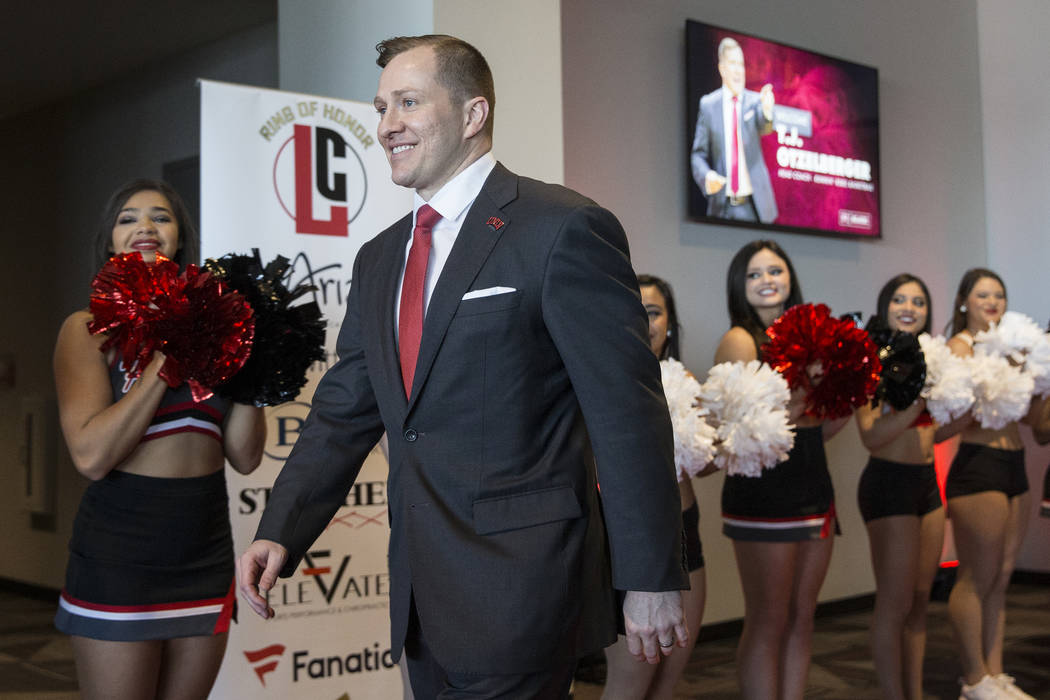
36,662
842,668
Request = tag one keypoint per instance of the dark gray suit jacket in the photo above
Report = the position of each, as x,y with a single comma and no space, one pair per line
709,153
496,528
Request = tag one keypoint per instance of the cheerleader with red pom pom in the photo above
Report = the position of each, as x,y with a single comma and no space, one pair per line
781,521
149,585
987,493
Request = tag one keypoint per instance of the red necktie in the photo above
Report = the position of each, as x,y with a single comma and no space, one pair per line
734,159
410,321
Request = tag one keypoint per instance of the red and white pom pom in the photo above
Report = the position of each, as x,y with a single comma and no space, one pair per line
1002,392
949,385
747,403
833,360
693,437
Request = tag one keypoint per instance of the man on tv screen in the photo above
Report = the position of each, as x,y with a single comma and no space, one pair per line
727,158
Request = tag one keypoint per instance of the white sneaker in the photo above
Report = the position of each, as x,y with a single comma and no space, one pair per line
987,689
1006,682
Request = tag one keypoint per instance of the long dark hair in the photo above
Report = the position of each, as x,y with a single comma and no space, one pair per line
672,349
882,306
189,240
741,313
969,279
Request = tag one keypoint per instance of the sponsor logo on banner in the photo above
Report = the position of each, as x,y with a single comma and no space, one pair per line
284,422
327,586
307,664
263,661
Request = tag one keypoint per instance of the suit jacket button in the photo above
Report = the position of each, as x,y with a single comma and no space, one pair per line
411,435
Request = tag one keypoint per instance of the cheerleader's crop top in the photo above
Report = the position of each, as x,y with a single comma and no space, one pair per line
178,412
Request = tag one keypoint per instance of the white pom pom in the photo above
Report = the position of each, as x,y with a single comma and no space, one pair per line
693,437
1013,337
949,385
1002,391
747,403
1037,365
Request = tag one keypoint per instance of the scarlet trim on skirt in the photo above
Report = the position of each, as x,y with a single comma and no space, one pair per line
150,558
792,502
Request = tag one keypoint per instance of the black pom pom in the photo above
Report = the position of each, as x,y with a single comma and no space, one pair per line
288,339
903,365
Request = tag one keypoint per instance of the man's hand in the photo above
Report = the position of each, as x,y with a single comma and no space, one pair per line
257,571
713,182
654,623
765,95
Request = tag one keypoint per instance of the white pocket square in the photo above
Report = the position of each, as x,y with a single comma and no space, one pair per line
749,115
490,291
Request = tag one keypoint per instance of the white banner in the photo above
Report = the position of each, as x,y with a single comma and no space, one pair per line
303,177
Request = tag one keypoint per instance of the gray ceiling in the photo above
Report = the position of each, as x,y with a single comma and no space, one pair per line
51,49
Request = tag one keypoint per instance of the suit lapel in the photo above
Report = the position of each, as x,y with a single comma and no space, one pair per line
473,245
387,296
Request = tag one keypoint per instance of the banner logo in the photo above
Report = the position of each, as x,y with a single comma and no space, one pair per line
260,655
319,180
284,423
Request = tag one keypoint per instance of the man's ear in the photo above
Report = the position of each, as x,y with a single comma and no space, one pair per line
476,113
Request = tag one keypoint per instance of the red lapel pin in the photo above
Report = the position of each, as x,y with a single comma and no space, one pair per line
495,223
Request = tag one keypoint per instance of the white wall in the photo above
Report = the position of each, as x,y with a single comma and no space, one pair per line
525,59
1015,105
328,47
627,144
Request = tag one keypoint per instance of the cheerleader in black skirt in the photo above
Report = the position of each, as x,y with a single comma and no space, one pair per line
149,589
782,522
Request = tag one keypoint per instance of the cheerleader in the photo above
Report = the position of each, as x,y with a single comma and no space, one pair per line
900,502
987,493
781,522
626,678
149,591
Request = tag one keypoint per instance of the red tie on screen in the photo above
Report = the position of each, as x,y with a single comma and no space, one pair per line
410,322
734,159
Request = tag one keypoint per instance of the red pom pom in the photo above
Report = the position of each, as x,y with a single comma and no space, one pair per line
833,360
126,299
204,329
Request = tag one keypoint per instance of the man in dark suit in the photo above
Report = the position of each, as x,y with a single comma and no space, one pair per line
727,158
530,377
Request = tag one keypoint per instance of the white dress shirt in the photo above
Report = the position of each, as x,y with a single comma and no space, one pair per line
452,201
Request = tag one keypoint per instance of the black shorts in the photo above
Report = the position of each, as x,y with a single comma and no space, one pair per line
791,502
978,468
694,551
150,558
890,488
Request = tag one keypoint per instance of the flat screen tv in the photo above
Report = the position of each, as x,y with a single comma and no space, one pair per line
806,141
